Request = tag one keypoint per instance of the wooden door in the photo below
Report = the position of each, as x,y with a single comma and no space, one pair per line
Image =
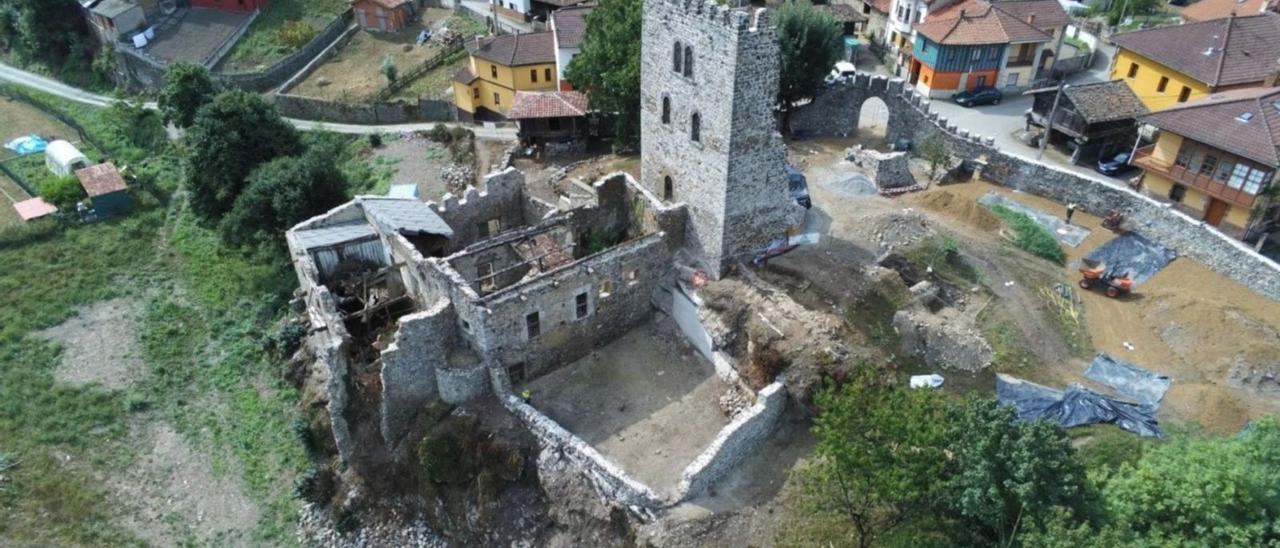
1215,212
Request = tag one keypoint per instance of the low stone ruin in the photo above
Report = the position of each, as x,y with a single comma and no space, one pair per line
888,169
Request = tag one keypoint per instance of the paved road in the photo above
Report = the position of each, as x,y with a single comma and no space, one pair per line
48,85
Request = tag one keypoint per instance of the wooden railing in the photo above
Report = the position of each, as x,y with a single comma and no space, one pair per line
1206,183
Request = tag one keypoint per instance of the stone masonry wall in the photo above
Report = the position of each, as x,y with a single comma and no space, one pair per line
736,442
835,112
503,198
888,169
421,346
733,177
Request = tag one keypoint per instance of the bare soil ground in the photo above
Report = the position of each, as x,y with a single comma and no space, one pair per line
647,404
354,73
544,179
99,346
1186,322
417,160
172,496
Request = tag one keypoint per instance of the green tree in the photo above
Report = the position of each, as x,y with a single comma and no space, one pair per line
187,87
608,67
879,454
63,192
389,69
1203,492
231,136
1006,475
809,45
934,151
282,193
44,31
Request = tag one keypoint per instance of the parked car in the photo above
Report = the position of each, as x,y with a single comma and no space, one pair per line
1116,164
978,96
842,70
798,187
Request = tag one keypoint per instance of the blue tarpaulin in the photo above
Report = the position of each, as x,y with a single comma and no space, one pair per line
30,144
1076,406
1129,380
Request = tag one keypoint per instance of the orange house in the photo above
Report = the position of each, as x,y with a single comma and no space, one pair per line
383,15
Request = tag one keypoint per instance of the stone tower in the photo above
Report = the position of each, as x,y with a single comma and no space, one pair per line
709,79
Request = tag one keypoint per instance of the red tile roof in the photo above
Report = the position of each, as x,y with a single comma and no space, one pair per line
881,6
1042,14
981,25
100,179
1205,10
1218,52
389,4
548,104
515,49
1220,120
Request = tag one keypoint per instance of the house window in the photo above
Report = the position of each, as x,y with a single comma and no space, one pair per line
1177,193
688,61
1184,158
866,8
924,46
1164,83
493,71
1013,79
1208,165
982,80
1133,70
668,188
1253,184
632,276
695,128
1238,176
581,305
497,99
488,228
533,75
606,288
475,93
1184,94
547,73
977,54
532,325
1224,171
666,110
676,58
484,273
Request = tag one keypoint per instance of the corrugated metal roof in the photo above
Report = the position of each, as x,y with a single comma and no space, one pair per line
334,235
407,216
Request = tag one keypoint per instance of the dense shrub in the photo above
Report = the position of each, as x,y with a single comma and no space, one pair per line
1030,236
295,34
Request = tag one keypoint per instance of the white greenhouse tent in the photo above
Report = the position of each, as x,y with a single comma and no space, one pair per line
63,158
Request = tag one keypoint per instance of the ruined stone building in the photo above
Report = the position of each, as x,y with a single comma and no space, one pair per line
411,302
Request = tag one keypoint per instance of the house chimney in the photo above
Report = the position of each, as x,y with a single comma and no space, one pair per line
1031,19
1272,79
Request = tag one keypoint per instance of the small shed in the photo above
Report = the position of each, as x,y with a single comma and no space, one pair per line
383,15
34,208
106,189
549,116
63,158
117,17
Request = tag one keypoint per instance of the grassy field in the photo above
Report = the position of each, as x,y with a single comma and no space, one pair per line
207,317
262,45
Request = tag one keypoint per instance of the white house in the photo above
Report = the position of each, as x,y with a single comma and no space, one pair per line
568,25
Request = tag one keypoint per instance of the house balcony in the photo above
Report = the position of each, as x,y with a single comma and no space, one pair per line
1015,63
1194,179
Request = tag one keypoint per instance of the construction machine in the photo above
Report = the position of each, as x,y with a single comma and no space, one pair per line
1099,274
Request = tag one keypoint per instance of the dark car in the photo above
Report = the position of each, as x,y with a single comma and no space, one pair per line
978,96
1115,164
798,187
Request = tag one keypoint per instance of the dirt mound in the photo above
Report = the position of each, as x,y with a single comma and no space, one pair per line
890,229
967,210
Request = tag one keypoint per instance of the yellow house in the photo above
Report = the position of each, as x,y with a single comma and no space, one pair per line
499,67
1169,66
1215,158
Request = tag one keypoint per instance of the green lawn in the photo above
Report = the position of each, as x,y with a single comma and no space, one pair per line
209,315
262,45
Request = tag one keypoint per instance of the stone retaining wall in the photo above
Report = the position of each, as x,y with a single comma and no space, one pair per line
835,112
736,442
335,112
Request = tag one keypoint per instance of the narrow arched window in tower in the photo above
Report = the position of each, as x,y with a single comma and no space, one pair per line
668,188
666,110
675,58
695,128
688,61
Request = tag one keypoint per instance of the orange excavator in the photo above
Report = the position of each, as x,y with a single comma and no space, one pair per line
1097,273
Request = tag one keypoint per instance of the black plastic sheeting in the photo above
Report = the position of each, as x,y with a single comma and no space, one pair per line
1076,406
1128,380
1131,252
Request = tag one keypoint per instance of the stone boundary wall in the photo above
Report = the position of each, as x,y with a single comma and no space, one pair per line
610,481
272,76
735,442
335,112
221,53
459,385
835,112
